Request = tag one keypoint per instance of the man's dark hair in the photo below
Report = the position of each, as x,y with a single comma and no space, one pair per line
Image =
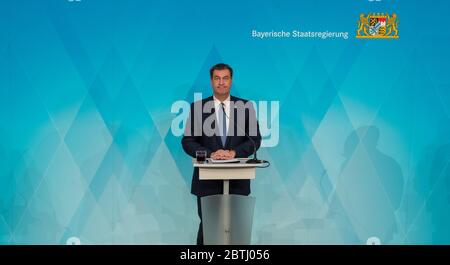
220,66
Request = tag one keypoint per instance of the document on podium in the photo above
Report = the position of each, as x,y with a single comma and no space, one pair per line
219,161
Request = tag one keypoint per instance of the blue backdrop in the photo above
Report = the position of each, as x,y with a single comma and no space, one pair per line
88,150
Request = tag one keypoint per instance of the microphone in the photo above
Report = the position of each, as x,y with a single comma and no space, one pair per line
255,159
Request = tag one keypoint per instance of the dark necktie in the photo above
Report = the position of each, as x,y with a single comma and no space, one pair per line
223,133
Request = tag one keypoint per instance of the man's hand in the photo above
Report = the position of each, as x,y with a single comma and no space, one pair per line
223,154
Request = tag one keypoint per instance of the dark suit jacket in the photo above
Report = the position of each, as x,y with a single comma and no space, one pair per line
240,144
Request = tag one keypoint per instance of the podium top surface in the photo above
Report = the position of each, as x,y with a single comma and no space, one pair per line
240,164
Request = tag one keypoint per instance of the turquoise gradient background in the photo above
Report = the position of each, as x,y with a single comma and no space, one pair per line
86,148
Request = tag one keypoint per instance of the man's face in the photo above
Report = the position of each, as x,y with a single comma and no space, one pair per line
221,82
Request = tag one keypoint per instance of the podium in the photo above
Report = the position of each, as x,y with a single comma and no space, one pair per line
227,218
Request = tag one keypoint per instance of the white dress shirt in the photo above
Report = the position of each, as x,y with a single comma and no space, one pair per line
217,107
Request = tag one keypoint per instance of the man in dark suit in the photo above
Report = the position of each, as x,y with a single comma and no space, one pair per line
216,125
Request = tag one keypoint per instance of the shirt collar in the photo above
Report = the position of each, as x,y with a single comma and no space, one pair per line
226,102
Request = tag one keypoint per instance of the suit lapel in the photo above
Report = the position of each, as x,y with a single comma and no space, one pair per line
231,126
205,115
